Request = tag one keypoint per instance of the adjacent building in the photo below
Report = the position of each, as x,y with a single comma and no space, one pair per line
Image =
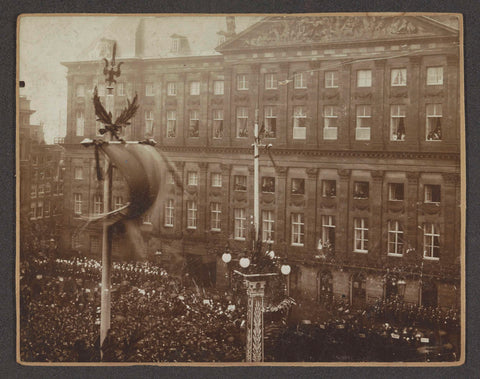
360,190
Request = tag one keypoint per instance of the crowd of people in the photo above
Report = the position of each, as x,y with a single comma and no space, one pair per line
157,317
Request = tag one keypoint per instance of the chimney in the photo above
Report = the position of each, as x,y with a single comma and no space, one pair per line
230,26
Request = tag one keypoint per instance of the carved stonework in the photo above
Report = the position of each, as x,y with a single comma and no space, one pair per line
282,31
344,173
225,167
192,190
203,166
193,101
399,93
328,203
377,174
240,98
268,199
180,165
240,197
363,96
451,178
217,100
413,176
430,208
255,293
396,207
435,93
215,191
361,205
311,172
271,97
330,95
171,102
297,200
300,96
281,171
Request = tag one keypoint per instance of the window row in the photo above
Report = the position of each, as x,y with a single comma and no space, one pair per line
300,122
41,209
47,189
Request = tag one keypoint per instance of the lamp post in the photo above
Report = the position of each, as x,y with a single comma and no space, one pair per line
256,269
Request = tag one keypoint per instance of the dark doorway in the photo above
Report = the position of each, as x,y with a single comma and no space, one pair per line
359,292
324,287
429,294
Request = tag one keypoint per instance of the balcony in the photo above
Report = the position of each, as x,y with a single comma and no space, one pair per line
330,133
362,134
299,133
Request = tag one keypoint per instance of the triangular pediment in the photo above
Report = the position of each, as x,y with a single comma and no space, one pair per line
282,31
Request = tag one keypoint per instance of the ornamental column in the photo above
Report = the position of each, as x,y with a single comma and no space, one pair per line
255,293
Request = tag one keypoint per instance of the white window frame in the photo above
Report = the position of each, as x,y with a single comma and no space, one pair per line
435,76
268,226
434,113
194,123
392,191
192,214
218,87
397,113
80,123
330,121
363,112
236,182
428,189
216,179
39,209
78,172
242,114
300,80
331,79
169,218
216,216
324,187
431,234
97,204
271,81
364,78
149,122
118,203
194,88
149,89
360,183
171,124
299,131
192,178
240,224
328,224
264,178
33,191
77,198
33,211
242,82
301,182
360,232
398,77
395,244
175,45
270,121
172,89
217,123
298,229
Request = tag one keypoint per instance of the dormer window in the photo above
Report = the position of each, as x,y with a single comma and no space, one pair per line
175,45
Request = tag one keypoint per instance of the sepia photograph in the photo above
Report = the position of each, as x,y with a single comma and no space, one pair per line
240,189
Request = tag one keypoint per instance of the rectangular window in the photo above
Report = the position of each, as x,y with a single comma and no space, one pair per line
328,231
397,123
298,186
434,76
95,244
331,79
170,177
360,226
215,216
271,81
242,122
364,78
299,123
191,214
78,172
40,209
149,122
147,218
192,178
41,190
299,80
218,123
298,229
97,204
329,188
240,183
80,123
33,211
218,87
174,47
33,191
268,184
80,90
330,118
171,124
395,192
77,203
431,241
193,130
398,77
194,88
121,89
118,202
360,190
149,89
270,122
216,179
169,212
242,82
364,119
434,122
171,89
395,238
432,193
240,223
268,222
47,189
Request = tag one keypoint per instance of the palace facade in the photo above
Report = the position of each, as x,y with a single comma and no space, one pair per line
360,191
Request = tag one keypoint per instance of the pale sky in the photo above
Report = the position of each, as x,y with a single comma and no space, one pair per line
45,42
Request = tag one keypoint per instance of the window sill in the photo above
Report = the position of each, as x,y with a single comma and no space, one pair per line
434,259
394,255
432,202
191,228
361,251
168,226
239,238
215,230
298,244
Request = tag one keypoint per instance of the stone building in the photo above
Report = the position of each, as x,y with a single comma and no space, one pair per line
360,191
